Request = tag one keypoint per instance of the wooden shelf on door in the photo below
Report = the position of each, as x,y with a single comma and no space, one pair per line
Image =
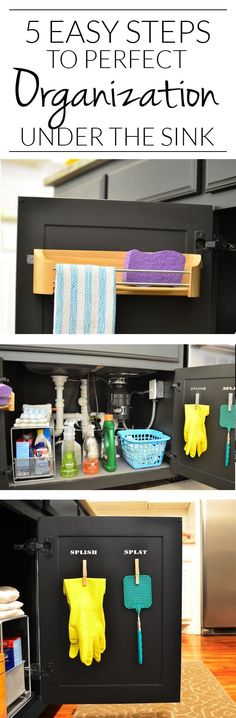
45,260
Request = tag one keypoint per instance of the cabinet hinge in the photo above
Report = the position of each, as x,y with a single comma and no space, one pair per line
177,385
32,547
37,672
5,470
202,244
200,240
216,242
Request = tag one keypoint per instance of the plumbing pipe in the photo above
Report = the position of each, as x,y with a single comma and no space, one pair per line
59,381
83,403
151,420
153,415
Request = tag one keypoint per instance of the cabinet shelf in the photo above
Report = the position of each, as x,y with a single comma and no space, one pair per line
18,704
44,261
17,695
124,475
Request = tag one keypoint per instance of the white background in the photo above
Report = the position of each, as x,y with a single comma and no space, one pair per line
211,65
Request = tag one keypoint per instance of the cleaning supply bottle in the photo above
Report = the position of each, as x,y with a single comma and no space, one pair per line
42,453
109,447
48,435
77,447
43,440
90,452
69,466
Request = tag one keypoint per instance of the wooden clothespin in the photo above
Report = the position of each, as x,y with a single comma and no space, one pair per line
136,565
230,401
84,572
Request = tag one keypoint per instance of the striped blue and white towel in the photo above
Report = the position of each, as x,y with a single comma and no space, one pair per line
85,299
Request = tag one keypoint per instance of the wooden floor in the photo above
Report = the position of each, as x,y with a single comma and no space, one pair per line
219,655
217,652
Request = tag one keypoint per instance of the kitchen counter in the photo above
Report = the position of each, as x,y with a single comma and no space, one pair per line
68,172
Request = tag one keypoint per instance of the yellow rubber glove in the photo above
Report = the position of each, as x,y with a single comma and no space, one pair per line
195,435
87,620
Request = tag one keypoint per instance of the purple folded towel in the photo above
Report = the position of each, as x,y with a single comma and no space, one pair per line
166,259
5,393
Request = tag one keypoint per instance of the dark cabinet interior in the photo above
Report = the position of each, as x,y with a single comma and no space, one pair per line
224,222
32,383
32,380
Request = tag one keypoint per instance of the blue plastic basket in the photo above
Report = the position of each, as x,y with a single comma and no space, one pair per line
143,448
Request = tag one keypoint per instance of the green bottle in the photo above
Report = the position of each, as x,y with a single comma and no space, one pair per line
109,448
69,467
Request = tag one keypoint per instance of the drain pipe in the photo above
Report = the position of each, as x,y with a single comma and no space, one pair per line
59,381
83,403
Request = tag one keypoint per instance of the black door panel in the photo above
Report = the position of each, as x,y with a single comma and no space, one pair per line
99,224
118,678
213,384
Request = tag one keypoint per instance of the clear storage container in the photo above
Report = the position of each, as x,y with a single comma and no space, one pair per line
27,466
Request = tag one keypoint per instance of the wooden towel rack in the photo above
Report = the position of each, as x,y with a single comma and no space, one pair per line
45,260
11,404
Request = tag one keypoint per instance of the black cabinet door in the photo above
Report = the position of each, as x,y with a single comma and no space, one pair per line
118,678
107,225
213,383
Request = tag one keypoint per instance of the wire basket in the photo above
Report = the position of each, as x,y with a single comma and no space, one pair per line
143,448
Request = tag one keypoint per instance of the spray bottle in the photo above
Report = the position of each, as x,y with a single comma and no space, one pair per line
77,447
90,452
69,466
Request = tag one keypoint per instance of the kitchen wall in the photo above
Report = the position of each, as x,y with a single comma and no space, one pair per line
205,355
190,512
